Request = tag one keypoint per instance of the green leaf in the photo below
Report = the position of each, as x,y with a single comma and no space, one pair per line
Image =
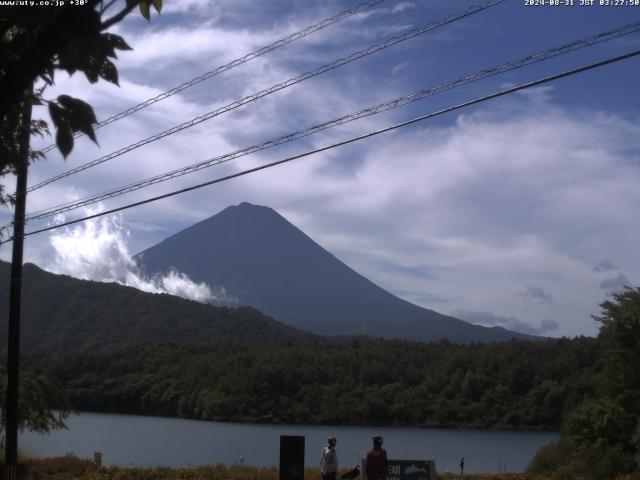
64,140
56,113
76,116
87,129
109,72
157,5
144,10
91,72
116,41
47,75
67,101
40,128
77,106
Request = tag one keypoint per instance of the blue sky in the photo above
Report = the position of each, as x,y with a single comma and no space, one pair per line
519,212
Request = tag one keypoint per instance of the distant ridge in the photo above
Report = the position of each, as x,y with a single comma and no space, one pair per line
64,313
266,262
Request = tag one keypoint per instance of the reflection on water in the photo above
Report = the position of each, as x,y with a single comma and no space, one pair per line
151,441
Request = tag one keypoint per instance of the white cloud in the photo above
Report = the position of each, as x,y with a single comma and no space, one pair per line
186,6
97,250
402,6
207,47
511,323
399,67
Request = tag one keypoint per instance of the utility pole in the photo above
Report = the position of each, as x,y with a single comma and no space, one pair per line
15,294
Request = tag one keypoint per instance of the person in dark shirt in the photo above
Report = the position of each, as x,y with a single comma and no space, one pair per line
376,460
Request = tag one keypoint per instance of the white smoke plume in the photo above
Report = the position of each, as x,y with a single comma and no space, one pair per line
97,250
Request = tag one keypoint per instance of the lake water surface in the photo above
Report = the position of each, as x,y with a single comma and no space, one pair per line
152,441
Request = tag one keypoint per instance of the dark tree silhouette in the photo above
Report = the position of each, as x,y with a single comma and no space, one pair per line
37,42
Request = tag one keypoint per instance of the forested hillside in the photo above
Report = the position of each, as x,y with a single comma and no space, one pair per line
509,385
61,312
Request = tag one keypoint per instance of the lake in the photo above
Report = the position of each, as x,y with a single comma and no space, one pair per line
152,441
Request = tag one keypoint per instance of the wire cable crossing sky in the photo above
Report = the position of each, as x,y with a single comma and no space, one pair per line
391,104
234,63
346,142
414,32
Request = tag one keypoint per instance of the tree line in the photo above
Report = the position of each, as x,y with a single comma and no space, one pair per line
600,437
517,385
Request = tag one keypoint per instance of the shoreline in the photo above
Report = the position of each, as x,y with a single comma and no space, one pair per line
497,429
148,441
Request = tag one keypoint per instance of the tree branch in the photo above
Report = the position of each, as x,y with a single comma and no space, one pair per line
120,15
104,8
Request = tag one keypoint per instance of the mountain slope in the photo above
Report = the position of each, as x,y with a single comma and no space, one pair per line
266,262
60,312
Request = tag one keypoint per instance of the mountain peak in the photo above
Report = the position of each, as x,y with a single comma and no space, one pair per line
250,206
245,210
265,262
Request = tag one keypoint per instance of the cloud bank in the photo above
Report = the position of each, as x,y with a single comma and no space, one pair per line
487,319
97,250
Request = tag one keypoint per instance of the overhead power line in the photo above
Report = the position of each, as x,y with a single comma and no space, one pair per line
391,104
345,142
234,63
280,86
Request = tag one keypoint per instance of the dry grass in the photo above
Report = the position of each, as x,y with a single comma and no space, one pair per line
71,467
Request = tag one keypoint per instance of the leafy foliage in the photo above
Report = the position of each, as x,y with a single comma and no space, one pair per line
601,437
70,115
375,383
34,44
620,334
37,393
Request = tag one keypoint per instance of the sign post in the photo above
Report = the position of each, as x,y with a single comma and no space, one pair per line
406,470
291,457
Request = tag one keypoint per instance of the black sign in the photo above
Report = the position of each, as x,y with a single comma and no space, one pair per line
291,457
410,470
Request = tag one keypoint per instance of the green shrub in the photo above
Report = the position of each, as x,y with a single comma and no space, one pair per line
549,458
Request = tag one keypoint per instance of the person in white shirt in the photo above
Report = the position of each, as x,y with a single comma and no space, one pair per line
329,460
